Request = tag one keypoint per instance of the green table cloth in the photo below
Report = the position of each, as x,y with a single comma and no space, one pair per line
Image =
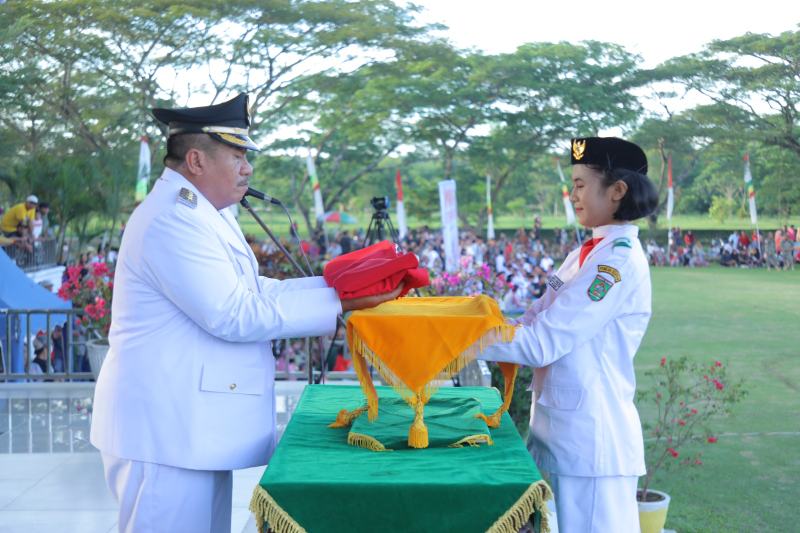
318,483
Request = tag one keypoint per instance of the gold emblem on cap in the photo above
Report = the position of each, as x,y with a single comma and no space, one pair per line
187,197
578,148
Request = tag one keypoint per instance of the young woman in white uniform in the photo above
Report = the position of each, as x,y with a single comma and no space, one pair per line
581,337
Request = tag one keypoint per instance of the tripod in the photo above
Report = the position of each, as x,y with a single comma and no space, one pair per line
378,224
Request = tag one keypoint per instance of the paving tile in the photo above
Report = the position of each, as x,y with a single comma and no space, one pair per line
14,521
76,484
25,466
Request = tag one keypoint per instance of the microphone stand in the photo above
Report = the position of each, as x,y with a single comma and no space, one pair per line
272,236
340,320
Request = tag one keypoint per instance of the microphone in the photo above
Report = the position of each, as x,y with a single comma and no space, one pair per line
261,196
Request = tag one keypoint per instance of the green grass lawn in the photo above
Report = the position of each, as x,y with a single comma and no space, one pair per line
750,320
277,222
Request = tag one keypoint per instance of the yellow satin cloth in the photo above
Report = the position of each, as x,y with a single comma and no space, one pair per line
414,343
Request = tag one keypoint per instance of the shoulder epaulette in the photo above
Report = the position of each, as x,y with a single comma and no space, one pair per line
187,198
621,241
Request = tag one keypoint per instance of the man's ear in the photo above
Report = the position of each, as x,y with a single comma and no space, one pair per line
195,161
618,190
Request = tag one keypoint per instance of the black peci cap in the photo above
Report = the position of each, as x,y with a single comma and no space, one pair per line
227,122
608,153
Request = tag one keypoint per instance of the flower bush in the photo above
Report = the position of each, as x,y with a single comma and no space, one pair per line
684,400
465,283
90,288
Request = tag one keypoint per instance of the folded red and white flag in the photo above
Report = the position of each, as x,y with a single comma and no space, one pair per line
376,269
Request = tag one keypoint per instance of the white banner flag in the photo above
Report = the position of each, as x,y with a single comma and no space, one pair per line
670,193
565,196
319,210
402,227
449,212
751,191
490,222
143,176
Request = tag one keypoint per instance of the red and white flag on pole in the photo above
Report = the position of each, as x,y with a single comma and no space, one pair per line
402,226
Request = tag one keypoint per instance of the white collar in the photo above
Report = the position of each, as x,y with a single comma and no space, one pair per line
627,230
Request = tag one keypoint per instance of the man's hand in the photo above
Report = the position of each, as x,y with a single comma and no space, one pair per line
365,302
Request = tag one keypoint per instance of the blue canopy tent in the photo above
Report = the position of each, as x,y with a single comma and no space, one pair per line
18,291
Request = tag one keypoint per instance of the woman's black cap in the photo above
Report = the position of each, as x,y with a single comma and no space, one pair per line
608,153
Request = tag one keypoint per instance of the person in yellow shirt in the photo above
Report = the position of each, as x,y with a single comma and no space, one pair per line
17,221
18,217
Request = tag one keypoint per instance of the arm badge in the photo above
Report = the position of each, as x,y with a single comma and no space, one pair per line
602,284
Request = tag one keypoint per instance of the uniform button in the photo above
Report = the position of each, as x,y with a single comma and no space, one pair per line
232,386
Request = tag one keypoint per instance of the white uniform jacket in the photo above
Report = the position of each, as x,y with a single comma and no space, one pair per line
189,378
581,337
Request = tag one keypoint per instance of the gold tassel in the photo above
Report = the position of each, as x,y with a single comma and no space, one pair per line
532,500
473,440
366,441
345,418
266,510
418,432
509,371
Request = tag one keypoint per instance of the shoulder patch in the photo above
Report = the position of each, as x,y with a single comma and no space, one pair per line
622,241
602,284
599,288
187,198
555,282
610,270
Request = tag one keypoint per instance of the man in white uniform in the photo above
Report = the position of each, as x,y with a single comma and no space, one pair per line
186,393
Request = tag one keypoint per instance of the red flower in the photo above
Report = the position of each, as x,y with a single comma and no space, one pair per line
698,462
694,411
663,361
73,273
681,422
90,284
718,384
717,363
99,269
673,452
712,440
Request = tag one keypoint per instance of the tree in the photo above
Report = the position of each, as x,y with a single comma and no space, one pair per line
753,81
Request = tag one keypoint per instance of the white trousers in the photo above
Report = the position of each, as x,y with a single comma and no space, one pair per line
156,498
596,504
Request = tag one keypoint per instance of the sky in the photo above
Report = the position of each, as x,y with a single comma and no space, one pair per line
657,31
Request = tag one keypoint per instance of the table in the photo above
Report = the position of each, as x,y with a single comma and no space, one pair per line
316,482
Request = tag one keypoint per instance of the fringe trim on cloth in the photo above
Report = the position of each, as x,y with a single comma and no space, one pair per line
364,354
473,440
346,418
267,510
365,441
532,500
509,371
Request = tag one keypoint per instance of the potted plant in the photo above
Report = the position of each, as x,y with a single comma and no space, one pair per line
677,411
90,288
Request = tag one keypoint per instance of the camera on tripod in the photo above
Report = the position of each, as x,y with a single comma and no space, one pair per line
380,203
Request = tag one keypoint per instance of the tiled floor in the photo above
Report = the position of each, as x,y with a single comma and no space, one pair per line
51,478
51,475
